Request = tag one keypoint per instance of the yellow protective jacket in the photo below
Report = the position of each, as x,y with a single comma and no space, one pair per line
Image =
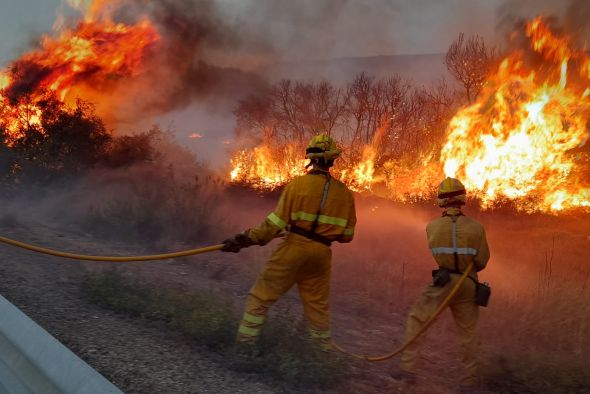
299,205
470,242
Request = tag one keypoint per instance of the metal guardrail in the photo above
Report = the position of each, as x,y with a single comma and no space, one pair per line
34,362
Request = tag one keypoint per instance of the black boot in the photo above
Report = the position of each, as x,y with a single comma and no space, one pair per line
399,374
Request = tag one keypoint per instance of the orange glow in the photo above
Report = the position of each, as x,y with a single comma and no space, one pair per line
89,58
266,169
518,141
521,141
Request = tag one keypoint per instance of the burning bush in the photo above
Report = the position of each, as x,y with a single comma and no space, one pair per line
521,139
379,123
64,141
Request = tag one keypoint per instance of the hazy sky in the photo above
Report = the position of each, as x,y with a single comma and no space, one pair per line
21,21
285,30
341,28
301,29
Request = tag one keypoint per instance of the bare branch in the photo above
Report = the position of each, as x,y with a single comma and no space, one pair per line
469,61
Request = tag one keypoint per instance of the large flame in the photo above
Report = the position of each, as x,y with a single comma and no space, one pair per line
519,140
266,169
72,64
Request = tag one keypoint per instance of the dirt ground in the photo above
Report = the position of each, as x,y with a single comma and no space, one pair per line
375,281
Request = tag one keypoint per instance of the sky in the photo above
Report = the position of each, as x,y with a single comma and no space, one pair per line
21,22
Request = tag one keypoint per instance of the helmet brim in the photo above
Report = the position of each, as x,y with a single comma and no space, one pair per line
327,155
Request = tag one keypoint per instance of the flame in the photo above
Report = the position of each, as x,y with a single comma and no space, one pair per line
72,64
267,168
517,142
521,141
361,176
264,168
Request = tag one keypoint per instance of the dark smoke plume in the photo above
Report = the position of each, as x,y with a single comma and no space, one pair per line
180,70
570,15
27,76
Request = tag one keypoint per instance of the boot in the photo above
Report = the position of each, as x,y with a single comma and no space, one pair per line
400,374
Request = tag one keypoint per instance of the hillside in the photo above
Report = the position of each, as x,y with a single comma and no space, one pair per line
422,69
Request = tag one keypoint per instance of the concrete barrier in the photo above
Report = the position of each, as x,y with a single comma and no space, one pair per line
33,361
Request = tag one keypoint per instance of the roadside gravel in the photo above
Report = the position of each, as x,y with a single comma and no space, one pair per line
137,356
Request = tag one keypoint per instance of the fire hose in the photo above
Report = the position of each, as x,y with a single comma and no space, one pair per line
422,329
191,252
113,259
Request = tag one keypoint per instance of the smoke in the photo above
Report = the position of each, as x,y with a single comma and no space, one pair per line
27,76
311,30
215,51
209,50
178,70
572,16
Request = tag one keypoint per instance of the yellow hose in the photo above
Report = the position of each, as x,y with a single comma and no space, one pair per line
114,259
424,327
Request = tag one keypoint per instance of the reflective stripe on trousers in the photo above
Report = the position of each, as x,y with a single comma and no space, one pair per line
250,326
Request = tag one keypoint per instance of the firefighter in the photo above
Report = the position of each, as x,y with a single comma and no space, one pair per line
455,241
315,210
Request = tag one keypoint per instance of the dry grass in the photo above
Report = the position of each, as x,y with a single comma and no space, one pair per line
539,273
152,206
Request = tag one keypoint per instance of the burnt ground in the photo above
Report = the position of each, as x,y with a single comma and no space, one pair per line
140,356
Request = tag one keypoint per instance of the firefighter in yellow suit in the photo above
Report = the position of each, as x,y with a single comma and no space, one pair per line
455,241
315,210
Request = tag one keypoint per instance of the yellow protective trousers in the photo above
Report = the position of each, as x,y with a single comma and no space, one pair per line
300,261
465,313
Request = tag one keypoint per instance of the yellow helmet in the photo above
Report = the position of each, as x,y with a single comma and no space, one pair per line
451,191
322,146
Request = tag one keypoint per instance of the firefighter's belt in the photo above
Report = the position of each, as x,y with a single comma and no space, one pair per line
457,272
310,235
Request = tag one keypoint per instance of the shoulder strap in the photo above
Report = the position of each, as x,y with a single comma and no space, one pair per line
455,255
322,203
454,236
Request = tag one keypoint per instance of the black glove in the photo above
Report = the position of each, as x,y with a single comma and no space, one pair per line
235,243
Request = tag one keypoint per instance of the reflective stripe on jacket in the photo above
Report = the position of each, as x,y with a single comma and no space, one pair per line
299,205
470,241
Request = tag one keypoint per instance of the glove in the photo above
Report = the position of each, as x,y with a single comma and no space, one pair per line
236,243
